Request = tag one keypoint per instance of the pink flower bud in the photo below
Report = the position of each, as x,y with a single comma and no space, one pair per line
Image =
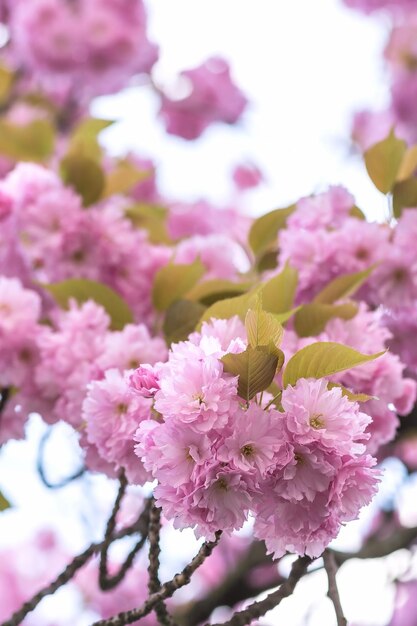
145,381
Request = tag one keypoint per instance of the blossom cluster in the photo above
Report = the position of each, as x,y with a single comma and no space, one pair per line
400,57
323,240
301,469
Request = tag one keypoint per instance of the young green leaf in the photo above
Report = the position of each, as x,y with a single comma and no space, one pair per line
84,175
264,230
350,395
262,328
152,218
173,281
4,503
311,319
383,161
211,291
81,290
408,164
227,308
256,369
123,178
343,286
278,293
181,319
33,142
323,359
404,195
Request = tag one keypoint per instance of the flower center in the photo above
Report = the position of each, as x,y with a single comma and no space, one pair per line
222,484
316,421
122,408
199,397
298,458
247,450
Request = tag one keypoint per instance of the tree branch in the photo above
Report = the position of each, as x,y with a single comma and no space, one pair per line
376,548
103,577
41,470
154,584
69,572
258,609
235,587
331,568
166,591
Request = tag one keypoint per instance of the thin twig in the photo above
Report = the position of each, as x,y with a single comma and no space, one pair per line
70,570
331,568
154,584
258,609
111,525
41,470
166,591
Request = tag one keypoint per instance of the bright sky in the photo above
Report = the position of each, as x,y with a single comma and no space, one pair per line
305,65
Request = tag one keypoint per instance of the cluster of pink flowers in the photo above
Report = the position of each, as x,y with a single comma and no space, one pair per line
401,58
323,240
212,97
61,45
302,470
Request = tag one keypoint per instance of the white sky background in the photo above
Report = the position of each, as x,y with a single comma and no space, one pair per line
305,66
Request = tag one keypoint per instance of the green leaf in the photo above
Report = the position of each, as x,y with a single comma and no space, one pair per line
383,161
264,230
256,370
173,281
84,175
284,317
152,218
311,319
4,503
343,286
81,290
408,164
267,261
6,82
227,308
84,138
123,178
278,293
404,195
262,328
32,142
355,211
181,319
353,397
212,291
323,359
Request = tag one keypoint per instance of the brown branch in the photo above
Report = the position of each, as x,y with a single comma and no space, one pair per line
154,584
235,587
69,572
377,547
166,591
258,609
111,525
41,470
331,568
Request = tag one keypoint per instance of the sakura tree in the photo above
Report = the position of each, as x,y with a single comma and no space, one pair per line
240,378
